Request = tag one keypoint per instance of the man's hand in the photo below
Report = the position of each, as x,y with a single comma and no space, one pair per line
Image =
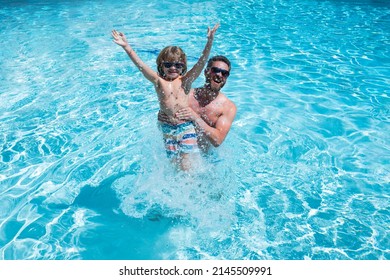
119,38
163,117
187,114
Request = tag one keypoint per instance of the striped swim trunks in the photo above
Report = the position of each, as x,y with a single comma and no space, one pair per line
179,139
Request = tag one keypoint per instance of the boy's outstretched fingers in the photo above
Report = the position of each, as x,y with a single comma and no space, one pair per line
212,32
215,27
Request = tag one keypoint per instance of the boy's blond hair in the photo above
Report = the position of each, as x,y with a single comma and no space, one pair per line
171,54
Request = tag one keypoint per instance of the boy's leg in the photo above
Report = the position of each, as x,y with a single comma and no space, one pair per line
184,162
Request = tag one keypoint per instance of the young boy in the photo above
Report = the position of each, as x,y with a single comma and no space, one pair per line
172,83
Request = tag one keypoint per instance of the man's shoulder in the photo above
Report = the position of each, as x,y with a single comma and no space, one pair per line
224,98
227,104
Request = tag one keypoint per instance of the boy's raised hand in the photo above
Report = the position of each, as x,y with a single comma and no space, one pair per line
210,33
119,38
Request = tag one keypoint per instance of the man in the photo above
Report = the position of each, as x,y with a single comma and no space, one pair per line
210,110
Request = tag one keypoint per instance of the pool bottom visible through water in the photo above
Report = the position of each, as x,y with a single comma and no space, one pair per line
302,174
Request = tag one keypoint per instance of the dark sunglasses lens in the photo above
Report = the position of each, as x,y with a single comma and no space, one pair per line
217,70
170,64
225,73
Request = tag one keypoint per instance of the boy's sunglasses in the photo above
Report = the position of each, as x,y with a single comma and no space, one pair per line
216,70
178,65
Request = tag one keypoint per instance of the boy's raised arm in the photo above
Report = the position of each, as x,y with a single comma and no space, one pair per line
195,71
149,73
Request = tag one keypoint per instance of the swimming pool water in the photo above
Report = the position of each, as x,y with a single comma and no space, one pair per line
303,174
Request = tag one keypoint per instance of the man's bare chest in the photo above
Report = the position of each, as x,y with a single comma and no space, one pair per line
210,114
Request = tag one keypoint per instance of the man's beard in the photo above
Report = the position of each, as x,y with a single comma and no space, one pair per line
216,88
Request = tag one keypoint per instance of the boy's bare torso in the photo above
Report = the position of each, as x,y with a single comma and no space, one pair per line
172,97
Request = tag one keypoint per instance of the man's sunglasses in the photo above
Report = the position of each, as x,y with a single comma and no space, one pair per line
178,65
216,70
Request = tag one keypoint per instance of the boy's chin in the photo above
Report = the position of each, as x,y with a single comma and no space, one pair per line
171,76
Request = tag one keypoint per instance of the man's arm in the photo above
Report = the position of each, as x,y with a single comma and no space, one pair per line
216,135
149,73
195,71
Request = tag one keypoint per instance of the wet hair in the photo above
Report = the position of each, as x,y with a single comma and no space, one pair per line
171,54
218,58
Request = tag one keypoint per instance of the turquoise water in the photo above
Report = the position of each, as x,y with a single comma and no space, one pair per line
303,174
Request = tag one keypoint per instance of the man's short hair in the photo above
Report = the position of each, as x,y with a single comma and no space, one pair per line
219,58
